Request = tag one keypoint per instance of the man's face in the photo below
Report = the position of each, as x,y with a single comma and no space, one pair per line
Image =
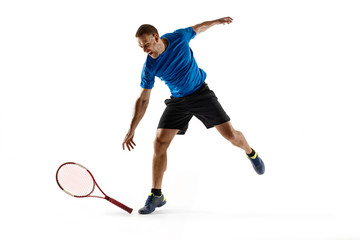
150,44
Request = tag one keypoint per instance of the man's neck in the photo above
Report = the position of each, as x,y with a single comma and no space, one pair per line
165,44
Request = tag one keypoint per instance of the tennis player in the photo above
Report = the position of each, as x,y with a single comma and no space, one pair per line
171,59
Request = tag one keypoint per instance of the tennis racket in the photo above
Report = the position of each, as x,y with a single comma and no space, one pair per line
75,180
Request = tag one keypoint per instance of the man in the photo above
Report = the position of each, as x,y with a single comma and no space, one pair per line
171,59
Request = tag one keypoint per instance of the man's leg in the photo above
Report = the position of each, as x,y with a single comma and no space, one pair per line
238,139
234,136
162,141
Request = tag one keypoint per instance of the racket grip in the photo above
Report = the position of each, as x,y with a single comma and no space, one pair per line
119,204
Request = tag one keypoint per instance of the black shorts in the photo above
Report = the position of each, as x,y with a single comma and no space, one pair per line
202,104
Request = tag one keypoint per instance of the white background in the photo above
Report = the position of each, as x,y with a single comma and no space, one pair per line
286,72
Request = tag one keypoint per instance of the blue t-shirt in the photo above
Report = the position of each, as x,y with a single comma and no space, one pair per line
176,65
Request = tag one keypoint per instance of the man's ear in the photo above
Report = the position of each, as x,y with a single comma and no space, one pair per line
157,38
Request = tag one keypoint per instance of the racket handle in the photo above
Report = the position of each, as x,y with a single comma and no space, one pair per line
119,204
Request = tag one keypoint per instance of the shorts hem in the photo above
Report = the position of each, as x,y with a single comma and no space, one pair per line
214,125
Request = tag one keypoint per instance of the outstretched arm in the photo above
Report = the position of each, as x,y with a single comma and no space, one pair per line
140,109
202,27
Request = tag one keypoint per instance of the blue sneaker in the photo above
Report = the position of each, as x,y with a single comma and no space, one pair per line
258,164
152,202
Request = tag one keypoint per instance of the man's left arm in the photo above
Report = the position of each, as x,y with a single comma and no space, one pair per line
202,27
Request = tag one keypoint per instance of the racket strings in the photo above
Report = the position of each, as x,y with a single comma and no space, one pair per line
75,180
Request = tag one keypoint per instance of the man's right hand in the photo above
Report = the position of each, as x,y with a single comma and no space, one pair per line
128,140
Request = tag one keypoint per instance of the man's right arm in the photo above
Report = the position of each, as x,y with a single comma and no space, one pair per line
140,109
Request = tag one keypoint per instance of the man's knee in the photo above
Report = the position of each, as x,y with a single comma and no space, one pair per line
234,136
159,142
228,132
163,139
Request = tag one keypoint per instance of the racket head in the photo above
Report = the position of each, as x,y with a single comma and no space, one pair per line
75,180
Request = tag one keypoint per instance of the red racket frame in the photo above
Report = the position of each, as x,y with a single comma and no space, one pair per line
113,201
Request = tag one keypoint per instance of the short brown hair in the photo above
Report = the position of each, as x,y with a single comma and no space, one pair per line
146,29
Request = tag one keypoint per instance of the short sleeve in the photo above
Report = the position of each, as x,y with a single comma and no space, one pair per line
147,78
188,33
